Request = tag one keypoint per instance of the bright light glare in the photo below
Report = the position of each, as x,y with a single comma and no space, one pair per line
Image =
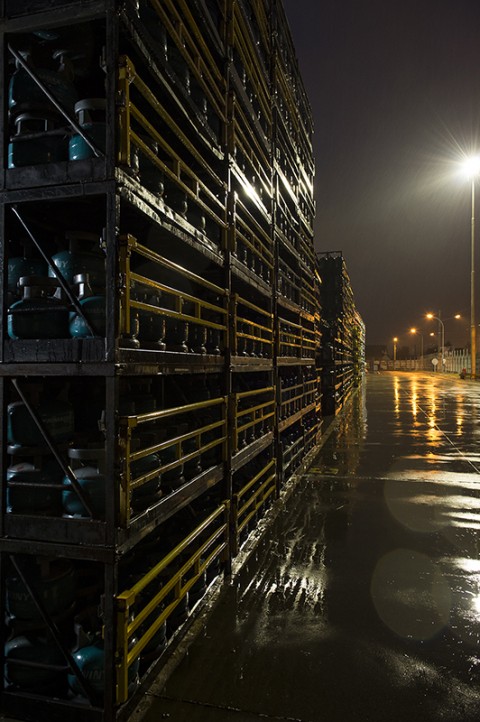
471,166
413,330
430,315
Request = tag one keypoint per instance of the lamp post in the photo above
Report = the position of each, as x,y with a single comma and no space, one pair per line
430,316
395,352
415,331
472,169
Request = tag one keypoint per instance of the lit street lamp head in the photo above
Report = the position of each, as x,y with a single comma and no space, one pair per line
471,166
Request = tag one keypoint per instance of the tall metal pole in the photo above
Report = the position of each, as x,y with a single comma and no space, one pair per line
473,332
442,367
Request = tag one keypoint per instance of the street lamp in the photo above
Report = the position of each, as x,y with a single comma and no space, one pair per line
395,352
472,169
415,331
430,316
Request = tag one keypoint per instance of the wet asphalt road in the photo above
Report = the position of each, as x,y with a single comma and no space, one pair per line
362,604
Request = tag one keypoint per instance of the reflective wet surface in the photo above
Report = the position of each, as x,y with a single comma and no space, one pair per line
363,601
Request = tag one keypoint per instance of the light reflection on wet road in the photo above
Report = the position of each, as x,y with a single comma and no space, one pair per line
363,603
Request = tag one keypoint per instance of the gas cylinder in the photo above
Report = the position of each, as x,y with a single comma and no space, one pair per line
149,492
19,266
36,140
91,662
33,648
137,396
90,114
174,478
151,325
40,313
54,582
24,95
197,338
82,256
157,642
55,414
93,306
178,64
89,468
177,199
177,330
151,176
193,467
35,498
157,30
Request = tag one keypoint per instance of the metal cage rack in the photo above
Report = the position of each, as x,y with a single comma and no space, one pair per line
343,334
160,327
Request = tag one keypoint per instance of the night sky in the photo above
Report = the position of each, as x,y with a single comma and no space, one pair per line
394,87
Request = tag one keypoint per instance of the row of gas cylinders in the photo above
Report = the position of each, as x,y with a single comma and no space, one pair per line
37,484
70,594
44,312
40,129
38,308
41,135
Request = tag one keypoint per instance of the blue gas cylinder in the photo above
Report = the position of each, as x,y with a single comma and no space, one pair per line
36,140
56,415
89,469
24,95
91,662
19,266
90,114
24,651
40,313
83,255
93,306
54,581
35,495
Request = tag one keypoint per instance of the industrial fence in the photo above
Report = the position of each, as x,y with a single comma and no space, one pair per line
454,361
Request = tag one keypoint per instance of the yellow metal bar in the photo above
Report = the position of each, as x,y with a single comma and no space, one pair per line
162,261
172,555
181,591
249,304
125,478
126,600
266,490
255,392
182,459
141,305
122,651
166,413
200,66
155,104
252,409
249,484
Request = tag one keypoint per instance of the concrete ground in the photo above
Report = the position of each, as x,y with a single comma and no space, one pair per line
362,603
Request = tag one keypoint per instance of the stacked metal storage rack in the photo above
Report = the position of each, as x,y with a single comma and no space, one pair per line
343,334
159,326
297,307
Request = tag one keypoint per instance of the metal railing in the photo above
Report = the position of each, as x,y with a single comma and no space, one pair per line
137,619
252,497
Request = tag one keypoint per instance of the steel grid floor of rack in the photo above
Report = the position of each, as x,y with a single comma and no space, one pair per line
362,602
